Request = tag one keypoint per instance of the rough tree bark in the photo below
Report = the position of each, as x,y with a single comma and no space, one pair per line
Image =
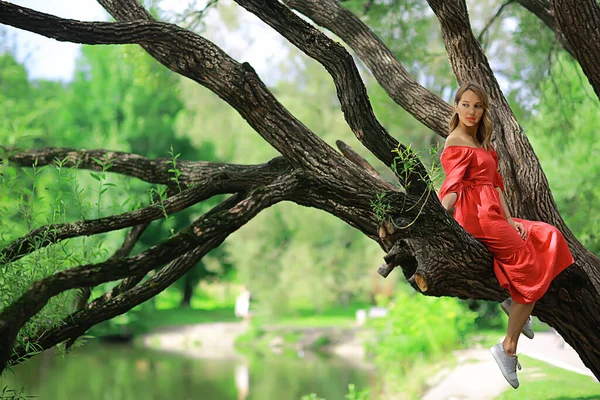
435,254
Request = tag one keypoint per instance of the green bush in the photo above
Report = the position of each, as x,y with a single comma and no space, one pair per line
420,327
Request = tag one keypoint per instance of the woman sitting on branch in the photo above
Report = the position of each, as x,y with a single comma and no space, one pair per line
528,255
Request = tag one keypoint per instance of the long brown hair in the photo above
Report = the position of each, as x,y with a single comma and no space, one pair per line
486,127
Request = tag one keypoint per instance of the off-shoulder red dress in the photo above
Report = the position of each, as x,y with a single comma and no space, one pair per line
524,267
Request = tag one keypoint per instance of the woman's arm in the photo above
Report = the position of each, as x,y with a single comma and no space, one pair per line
517,225
504,204
448,202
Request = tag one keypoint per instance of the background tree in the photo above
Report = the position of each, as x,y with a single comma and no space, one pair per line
435,254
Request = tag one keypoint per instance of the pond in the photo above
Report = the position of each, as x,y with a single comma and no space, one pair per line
123,372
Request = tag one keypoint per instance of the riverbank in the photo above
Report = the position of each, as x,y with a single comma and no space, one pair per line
226,339
472,375
206,340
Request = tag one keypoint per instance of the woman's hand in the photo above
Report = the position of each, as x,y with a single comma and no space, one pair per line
518,226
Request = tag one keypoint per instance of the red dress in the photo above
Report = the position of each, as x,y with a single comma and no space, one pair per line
524,267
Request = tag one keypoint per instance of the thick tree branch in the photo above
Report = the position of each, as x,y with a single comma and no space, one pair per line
421,103
87,32
133,165
153,171
350,88
209,230
218,179
580,22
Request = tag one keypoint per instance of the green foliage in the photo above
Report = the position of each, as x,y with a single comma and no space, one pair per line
416,339
12,394
352,394
174,170
419,327
404,164
537,49
293,257
564,133
120,99
381,208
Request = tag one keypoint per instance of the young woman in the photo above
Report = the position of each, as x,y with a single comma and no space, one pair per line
527,254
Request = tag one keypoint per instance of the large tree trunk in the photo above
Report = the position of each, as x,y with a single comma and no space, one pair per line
435,254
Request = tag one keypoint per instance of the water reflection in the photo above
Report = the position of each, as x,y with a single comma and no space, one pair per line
109,372
242,381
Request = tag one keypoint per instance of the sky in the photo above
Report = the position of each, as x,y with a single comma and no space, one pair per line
50,59
251,40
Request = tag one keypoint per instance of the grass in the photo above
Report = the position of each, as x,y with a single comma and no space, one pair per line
485,338
187,316
302,318
309,318
415,381
316,321
542,381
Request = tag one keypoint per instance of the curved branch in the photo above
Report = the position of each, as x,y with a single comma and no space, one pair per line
421,103
225,179
68,30
131,239
129,164
350,88
83,295
209,230
78,323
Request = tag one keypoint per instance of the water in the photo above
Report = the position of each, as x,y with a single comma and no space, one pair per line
121,372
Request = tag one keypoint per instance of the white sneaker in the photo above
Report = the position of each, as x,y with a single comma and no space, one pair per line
508,365
527,329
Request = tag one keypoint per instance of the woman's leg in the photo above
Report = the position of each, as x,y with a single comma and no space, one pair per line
516,320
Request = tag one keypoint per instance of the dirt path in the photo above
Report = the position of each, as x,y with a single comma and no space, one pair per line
477,377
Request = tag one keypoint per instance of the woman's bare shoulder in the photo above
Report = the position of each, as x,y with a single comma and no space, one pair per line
457,139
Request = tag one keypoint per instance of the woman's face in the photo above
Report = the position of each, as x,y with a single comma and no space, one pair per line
469,109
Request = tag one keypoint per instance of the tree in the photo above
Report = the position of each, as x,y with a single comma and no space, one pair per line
435,254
